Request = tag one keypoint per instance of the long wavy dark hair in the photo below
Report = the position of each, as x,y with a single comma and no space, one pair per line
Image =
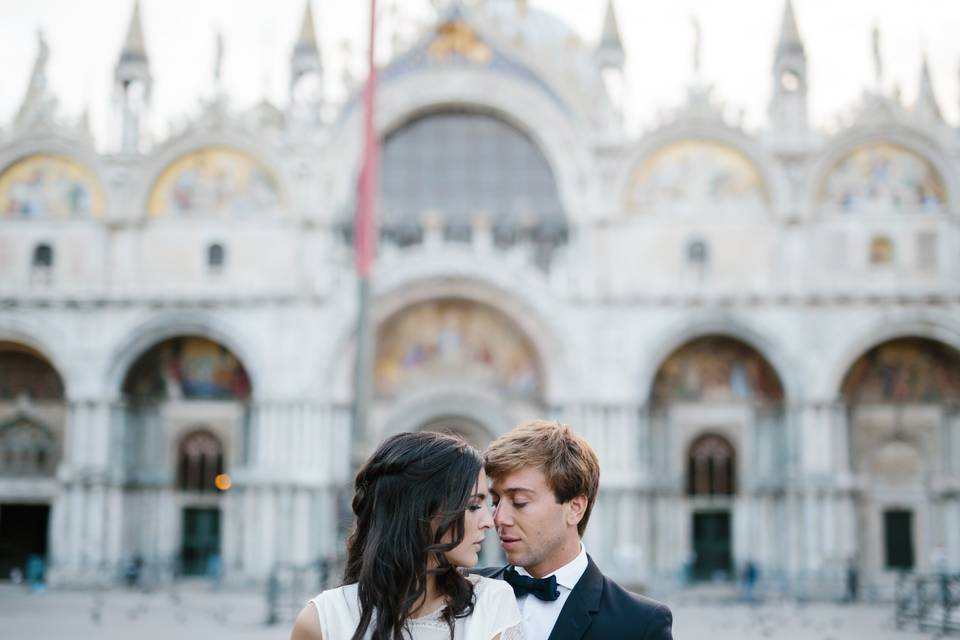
410,494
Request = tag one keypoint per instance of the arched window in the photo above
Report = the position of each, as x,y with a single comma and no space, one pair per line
199,462
26,449
216,257
711,467
465,166
698,253
881,251
42,257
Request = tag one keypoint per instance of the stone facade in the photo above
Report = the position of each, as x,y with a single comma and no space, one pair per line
800,252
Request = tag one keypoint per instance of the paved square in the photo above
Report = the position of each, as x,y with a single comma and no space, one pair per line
194,612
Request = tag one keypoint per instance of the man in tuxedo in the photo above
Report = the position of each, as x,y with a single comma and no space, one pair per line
544,482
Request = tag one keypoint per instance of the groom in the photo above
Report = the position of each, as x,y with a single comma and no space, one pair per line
544,481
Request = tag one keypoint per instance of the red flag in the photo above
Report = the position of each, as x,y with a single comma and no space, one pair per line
365,225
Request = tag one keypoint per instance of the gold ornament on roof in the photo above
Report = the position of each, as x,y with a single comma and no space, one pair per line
458,38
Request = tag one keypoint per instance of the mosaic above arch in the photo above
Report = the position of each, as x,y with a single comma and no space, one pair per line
187,368
904,370
885,178
49,186
454,339
695,174
716,369
214,181
23,372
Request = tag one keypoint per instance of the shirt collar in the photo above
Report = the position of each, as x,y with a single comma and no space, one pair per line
569,574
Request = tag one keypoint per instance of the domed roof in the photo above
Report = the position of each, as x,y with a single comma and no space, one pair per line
535,28
548,45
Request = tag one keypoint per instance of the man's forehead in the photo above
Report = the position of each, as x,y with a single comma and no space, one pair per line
523,479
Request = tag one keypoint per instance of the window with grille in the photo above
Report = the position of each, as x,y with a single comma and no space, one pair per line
199,462
711,466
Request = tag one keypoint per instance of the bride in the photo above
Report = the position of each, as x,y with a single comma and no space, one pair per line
420,515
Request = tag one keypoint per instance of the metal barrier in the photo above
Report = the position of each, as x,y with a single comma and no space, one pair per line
291,586
931,602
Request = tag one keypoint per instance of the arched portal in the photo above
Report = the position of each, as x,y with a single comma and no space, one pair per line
186,420
32,424
903,414
717,425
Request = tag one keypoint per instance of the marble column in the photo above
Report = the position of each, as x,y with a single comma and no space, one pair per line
87,513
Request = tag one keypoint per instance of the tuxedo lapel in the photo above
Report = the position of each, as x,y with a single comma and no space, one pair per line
582,603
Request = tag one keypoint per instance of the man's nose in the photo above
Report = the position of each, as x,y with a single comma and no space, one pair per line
501,515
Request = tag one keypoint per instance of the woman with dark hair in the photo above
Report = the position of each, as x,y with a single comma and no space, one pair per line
420,515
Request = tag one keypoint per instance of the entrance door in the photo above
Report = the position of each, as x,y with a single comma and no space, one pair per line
201,540
898,539
711,543
23,533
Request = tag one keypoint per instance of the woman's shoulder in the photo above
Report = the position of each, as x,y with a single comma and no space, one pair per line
489,587
495,611
337,607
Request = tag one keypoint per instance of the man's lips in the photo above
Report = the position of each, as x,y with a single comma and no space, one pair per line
507,541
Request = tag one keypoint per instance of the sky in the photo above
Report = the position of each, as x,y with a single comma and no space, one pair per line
738,40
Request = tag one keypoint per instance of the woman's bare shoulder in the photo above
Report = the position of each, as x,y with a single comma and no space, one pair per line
307,626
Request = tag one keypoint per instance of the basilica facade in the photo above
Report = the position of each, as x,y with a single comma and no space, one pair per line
757,330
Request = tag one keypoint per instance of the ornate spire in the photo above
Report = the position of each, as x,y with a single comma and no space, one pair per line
610,50
133,84
306,54
307,42
789,33
926,106
788,105
133,64
38,104
133,47
877,57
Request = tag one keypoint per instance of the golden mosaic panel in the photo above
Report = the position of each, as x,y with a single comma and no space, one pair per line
214,181
695,174
905,370
716,369
454,338
883,178
49,186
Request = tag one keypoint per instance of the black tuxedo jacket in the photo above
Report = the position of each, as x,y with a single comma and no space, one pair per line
600,609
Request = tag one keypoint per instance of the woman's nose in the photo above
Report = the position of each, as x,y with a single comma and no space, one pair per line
486,522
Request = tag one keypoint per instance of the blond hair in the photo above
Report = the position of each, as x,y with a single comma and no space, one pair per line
566,459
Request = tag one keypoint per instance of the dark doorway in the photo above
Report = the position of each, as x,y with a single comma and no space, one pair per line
23,533
201,541
898,538
711,544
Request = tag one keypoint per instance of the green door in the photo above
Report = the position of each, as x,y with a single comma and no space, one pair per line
23,534
201,540
898,539
711,543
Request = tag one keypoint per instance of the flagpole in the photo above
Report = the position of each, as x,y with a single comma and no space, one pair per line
364,234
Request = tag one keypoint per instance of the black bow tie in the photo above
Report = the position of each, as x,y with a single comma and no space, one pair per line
543,588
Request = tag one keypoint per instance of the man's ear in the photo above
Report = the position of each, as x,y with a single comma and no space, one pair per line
575,508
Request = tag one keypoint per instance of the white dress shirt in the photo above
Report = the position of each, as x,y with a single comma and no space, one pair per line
537,616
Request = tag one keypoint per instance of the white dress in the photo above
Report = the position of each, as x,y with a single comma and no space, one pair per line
495,612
